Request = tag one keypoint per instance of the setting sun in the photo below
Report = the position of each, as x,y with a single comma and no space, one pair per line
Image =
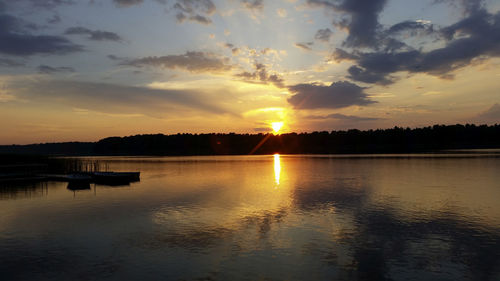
277,126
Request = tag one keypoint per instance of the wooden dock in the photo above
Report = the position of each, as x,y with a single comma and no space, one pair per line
107,178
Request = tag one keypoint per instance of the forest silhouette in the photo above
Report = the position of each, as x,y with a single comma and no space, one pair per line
394,140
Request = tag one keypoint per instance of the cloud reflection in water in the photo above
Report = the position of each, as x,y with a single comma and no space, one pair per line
221,218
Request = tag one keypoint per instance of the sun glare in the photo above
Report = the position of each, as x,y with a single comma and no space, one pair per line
277,126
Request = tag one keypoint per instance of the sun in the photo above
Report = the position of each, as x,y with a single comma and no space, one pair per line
276,126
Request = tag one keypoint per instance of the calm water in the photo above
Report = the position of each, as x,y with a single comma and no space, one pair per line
420,217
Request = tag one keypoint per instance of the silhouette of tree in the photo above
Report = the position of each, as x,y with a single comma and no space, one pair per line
395,140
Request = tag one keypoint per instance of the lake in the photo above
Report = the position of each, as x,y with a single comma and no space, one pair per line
267,217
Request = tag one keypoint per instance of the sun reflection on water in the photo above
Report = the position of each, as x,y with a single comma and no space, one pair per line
277,168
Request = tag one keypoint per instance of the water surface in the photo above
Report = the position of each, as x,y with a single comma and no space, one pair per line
363,217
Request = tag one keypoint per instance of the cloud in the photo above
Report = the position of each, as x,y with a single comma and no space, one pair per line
253,5
200,19
16,40
362,21
44,4
304,46
54,19
115,58
467,6
340,55
234,50
111,98
338,95
491,115
477,36
367,76
339,116
479,24
262,129
196,62
198,11
10,63
127,3
181,17
377,67
45,69
412,28
260,74
96,35
323,35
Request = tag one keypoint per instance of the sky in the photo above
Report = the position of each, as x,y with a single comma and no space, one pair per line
88,69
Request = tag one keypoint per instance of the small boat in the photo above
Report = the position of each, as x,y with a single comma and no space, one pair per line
77,177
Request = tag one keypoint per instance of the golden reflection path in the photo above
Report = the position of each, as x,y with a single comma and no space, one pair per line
277,168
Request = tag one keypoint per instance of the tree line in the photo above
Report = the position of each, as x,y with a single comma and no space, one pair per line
394,140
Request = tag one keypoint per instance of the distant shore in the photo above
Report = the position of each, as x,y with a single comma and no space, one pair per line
394,140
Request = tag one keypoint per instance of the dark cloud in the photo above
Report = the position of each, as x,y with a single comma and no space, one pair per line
49,4
198,11
96,35
389,44
338,95
45,69
54,19
127,3
467,6
200,19
115,58
480,24
193,6
363,75
474,37
11,24
412,28
339,116
304,46
180,17
254,5
15,39
10,63
362,21
190,61
340,55
262,76
234,49
323,35
377,67
118,99
363,25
